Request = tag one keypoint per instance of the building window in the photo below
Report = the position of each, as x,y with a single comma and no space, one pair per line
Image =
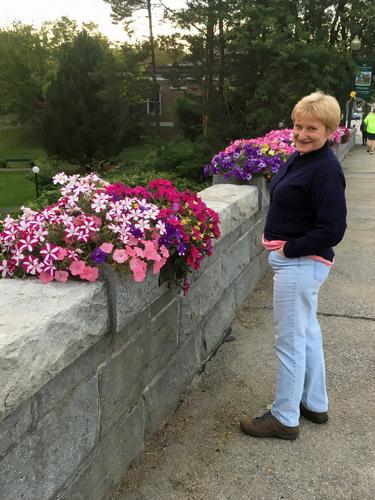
151,106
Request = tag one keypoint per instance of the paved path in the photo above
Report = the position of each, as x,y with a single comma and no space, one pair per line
201,454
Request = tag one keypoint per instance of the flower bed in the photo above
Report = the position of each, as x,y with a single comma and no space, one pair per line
262,156
95,222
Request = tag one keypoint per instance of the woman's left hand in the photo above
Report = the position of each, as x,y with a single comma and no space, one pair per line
281,252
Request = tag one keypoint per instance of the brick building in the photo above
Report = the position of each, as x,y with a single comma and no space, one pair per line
170,91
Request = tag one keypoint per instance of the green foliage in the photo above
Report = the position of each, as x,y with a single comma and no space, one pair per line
133,157
23,68
122,9
188,117
50,166
47,197
29,59
286,75
87,116
143,177
183,158
265,55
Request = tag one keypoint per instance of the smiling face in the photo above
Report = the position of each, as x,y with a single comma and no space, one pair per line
309,133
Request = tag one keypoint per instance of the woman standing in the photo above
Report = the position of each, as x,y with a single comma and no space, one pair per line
306,218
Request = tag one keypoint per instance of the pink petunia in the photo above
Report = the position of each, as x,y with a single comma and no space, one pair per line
120,256
77,267
150,251
97,220
139,268
164,251
158,265
139,252
106,247
45,277
61,276
131,252
89,273
62,253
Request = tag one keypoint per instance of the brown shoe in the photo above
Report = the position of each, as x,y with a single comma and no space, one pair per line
268,426
313,416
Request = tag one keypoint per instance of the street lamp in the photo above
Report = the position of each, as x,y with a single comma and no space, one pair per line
36,171
355,45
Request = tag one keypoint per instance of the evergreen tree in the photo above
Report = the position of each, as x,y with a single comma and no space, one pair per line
86,116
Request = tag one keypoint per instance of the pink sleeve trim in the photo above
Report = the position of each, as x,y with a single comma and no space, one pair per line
277,244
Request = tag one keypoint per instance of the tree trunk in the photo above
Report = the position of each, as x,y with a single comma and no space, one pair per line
209,76
155,85
221,50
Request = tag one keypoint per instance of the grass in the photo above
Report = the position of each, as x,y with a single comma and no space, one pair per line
19,143
15,189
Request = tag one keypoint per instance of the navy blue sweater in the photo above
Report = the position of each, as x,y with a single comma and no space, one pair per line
307,204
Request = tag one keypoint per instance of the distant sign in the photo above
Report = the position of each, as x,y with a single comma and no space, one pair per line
363,78
363,94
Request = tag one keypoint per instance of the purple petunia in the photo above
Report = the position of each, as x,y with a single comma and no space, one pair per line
98,256
248,157
136,232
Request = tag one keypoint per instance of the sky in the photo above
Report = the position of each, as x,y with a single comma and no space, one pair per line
37,11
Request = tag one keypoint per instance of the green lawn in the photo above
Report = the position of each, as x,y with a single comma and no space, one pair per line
15,189
19,143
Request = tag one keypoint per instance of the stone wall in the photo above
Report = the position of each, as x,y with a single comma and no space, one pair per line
341,150
89,371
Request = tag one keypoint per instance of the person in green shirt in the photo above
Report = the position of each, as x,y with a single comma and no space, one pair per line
370,130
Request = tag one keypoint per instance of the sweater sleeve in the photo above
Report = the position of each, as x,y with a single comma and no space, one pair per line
330,222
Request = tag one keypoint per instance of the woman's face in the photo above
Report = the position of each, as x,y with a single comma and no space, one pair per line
309,133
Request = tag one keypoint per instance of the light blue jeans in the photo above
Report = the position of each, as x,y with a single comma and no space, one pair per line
300,367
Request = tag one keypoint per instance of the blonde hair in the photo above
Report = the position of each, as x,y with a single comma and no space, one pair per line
324,107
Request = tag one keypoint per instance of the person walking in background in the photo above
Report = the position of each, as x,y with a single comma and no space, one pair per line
363,130
306,218
370,131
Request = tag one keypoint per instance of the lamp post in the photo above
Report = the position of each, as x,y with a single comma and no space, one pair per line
36,171
355,45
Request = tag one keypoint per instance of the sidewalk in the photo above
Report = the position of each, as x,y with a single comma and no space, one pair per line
201,454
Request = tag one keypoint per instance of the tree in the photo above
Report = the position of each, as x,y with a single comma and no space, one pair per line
212,20
282,51
263,55
23,70
87,114
123,10
29,59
